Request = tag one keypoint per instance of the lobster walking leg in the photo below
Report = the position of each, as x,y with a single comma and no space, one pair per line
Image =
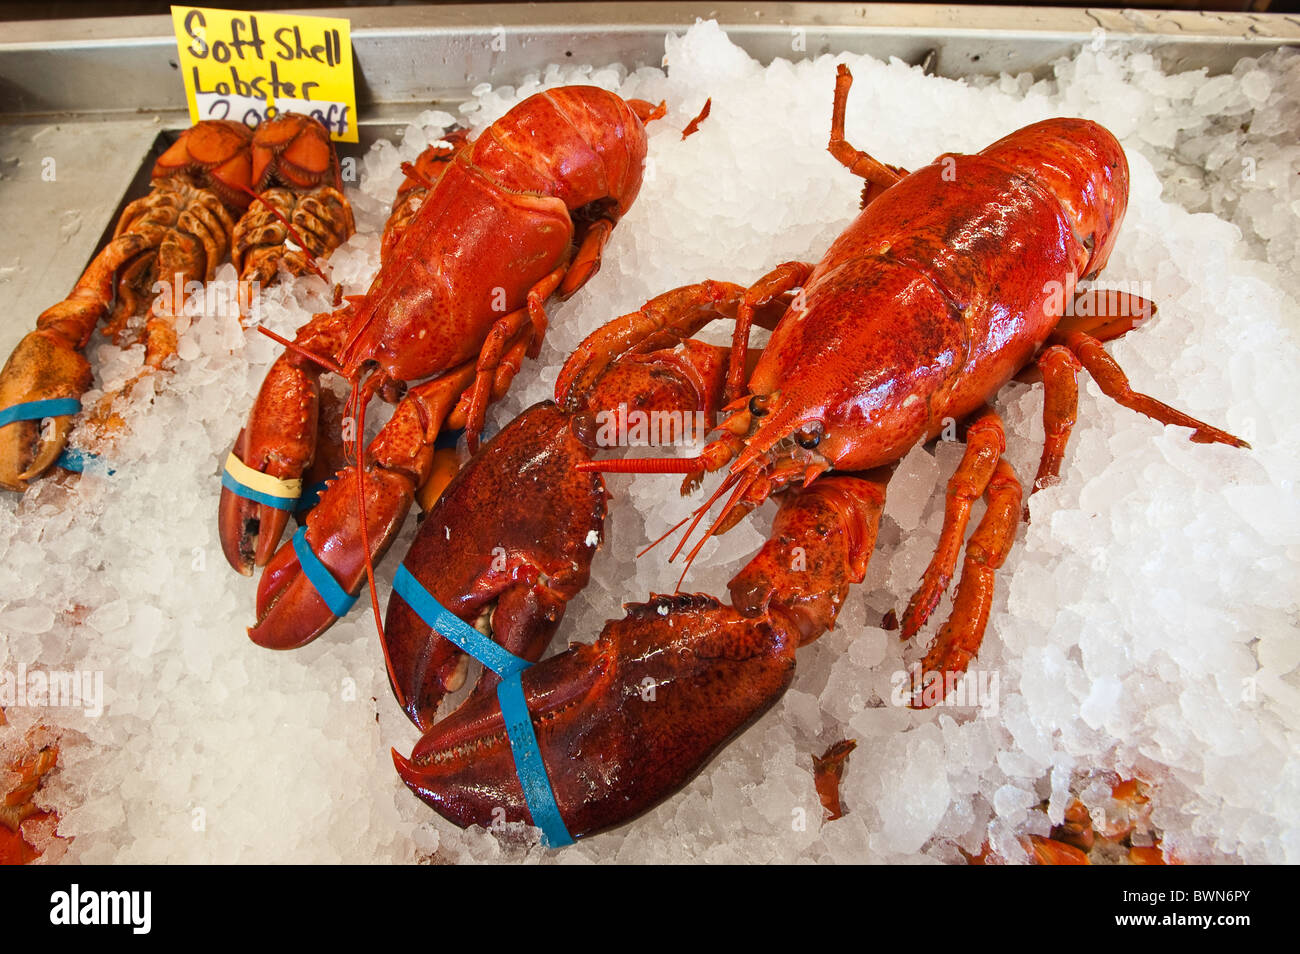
586,260
959,639
659,325
855,160
1114,384
767,289
497,343
1106,314
985,443
1060,369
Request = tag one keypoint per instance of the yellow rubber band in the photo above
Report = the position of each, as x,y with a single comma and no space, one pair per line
262,483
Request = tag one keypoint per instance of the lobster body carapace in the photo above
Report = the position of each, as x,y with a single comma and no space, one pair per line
941,290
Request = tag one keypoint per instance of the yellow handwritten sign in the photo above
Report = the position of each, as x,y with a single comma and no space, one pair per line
252,66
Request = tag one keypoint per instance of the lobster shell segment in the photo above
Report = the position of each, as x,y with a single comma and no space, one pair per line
622,723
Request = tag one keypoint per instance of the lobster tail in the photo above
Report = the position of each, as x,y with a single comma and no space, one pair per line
1084,166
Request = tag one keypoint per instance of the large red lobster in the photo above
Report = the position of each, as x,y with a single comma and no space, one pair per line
517,215
952,279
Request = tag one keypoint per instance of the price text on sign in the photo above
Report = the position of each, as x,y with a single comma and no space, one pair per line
253,66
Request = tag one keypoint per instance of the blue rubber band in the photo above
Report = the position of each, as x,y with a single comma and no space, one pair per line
35,410
279,503
533,777
318,575
528,761
310,497
77,460
500,660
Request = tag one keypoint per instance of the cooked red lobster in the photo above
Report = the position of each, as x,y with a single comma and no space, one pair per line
514,217
952,280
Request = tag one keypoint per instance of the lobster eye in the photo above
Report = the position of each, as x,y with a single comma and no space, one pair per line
809,436
758,405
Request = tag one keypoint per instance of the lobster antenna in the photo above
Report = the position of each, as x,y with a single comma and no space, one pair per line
726,510
307,353
699,515
671,530
643,465
362,400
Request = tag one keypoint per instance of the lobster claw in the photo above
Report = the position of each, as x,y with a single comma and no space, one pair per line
281,439
511,538
44,366
290,610
621,724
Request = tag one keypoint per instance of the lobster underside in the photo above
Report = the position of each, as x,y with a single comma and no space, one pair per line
196,215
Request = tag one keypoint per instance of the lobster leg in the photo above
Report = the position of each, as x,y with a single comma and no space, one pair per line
290,611
1105,314
191,252
767,289
985,442
498,342
877,174
661,323
1060,369
959,639
1114,384
586,261
187,253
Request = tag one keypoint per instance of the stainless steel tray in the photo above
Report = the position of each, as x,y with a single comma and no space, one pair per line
92,96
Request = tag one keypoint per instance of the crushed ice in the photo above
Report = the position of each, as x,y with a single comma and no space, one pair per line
1145,623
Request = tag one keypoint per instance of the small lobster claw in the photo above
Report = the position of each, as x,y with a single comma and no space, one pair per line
291,611
512,538
44,366
621,724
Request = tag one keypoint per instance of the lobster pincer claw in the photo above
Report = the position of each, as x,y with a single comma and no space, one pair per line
43,378
510,541
297,602
262,478
621,724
